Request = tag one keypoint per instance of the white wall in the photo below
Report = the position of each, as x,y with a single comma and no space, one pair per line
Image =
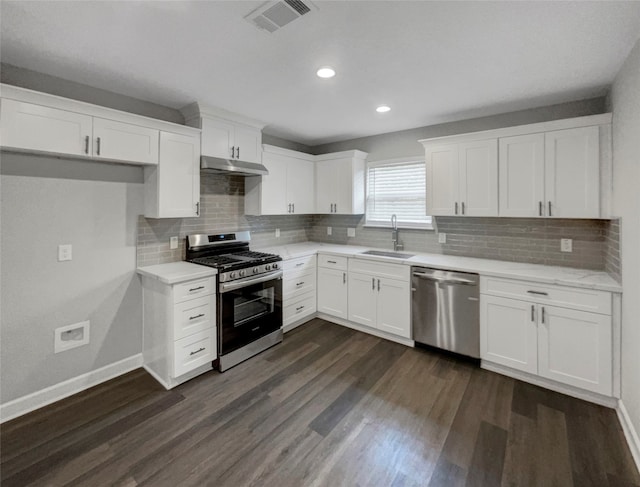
625,101
94,206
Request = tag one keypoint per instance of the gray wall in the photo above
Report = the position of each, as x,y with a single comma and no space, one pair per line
625,100
94,207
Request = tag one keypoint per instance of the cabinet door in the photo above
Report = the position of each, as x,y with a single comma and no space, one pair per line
219,139
332,292
179,176
326,190
572,173
478,178
273,192
442,180
575,348
522,176
393,308
38,128
362,299
248,143
508,333
301,186
344,187
125,142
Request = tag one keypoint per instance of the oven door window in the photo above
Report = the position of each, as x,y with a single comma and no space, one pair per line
253,305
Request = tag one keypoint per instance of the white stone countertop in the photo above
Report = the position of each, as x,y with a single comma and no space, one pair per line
563,276
175,272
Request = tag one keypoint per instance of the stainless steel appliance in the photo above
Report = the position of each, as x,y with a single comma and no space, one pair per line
445,310
249,298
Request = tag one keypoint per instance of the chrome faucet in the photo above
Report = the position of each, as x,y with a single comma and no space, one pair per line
394,233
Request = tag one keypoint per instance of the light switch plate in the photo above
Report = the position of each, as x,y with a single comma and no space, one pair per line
173,243
329,230
442,238
566,245
351,232
65,252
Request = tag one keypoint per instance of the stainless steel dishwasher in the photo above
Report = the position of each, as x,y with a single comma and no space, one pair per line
445,310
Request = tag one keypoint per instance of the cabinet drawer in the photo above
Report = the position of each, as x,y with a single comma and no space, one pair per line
193,316
301,263
193,289
378,269
332,262
299,308
299,284
193,351
566,297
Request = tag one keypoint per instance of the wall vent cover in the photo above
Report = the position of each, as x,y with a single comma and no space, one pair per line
271,16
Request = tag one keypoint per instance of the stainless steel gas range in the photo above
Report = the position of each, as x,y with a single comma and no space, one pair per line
249,299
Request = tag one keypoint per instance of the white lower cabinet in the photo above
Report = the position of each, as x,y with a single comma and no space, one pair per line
332,292
565,345
298,291
378,301
179,329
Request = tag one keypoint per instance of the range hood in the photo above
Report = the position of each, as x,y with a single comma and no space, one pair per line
232,166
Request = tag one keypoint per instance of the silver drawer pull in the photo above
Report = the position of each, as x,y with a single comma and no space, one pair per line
299,264
196,316
299,308
332,262
198,351
541,293
196,288
299,283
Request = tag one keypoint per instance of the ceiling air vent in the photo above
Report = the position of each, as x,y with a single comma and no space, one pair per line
270,16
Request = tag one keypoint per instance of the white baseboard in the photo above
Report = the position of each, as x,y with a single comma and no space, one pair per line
630,432
38,399
610,402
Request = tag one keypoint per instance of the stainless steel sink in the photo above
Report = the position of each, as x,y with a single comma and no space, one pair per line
383,253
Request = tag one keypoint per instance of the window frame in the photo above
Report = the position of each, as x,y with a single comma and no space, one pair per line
428,225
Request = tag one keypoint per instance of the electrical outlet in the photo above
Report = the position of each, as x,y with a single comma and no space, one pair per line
173,243
351,232
65,252
442,238
329,230
277,233
566,245
71,336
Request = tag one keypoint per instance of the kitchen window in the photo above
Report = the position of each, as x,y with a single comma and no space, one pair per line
397,187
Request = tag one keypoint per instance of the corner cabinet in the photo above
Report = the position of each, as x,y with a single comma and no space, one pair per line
287,189
172,188
340,183
557,333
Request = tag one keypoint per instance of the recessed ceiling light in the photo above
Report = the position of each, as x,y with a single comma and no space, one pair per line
326,72
383,109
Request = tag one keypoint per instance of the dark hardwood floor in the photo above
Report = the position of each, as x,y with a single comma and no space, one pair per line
328,407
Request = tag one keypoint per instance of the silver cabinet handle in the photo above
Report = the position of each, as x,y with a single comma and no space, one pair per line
344,278
299,283
541,293
98,146
233,152
540,208
201,349
462,207
299,264
549,208
293,207
299,308
238,152
289,208
331,262
533,315
86,144
373,283
197,208
456,207
196,316
378,284
196,288
542,315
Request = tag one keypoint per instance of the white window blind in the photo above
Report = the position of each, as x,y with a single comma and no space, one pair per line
397,188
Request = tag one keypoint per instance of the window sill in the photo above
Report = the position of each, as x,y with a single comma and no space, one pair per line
427,227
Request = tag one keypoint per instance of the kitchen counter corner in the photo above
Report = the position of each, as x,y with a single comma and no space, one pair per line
176,272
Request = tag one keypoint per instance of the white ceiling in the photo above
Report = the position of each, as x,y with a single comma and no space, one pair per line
432,62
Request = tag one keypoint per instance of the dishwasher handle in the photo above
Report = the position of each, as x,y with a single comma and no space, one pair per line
423,275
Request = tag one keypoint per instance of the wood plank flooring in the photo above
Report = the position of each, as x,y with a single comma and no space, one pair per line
329,406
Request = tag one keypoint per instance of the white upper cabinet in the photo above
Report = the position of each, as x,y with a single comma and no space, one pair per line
522,175
287,189
339,180
557,169
220,138
462,179
572,173
248,143
39,128
120,141
172,189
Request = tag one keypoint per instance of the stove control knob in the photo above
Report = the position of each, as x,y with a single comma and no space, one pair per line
267,267
232,275
241,273
255,270
274,265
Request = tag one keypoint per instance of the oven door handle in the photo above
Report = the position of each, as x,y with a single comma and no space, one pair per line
230,286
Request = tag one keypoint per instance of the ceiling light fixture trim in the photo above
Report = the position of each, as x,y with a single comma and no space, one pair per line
326,72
